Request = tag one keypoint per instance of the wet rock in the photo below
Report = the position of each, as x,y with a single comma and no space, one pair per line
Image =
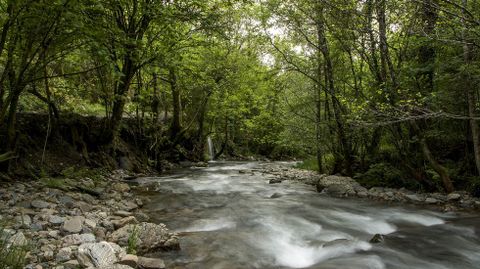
276,195
73,225
275,181
378,238
96,254
150,237
151,263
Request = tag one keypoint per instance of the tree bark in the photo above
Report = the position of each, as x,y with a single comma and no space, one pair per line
176,126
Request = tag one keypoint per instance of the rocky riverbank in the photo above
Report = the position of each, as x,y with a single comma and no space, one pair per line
81,223
339,186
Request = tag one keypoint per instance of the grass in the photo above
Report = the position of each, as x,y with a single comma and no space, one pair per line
11,257
132,241
308,164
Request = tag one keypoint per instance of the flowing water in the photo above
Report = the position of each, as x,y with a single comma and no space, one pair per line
227,220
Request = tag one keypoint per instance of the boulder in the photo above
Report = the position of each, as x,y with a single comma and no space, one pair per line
149,237
96,254
431,200
151,263
337,189
73,225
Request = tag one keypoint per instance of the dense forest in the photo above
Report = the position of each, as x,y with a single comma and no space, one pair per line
386,91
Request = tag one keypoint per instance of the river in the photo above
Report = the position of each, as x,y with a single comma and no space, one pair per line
227,219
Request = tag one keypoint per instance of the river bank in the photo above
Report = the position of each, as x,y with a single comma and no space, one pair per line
339,186
82,223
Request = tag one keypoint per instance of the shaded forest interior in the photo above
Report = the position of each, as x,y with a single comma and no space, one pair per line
385,91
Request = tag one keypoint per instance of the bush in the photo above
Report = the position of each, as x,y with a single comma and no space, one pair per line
384,175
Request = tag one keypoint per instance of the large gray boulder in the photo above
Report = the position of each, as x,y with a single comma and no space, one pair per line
149,237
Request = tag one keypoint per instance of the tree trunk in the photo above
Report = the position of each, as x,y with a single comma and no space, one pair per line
330,88
471,96
176,126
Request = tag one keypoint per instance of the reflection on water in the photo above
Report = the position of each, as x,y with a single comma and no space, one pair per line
227,220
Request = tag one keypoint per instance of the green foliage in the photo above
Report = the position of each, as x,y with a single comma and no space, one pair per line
308,164
132,241
385,175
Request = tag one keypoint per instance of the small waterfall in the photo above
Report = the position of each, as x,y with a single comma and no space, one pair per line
211,152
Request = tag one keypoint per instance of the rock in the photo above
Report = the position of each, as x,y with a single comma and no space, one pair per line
71,264
453,197
130,260
96,254
142,217
39,204
67,201
413,198
121,187
150,237
431,200
123,213
122,222
276,195
337,189
362,194
73,225
18,240
378,238
151,263
129,206
115,266
77,239
90,223
275,181
24,220
56,220
64,254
